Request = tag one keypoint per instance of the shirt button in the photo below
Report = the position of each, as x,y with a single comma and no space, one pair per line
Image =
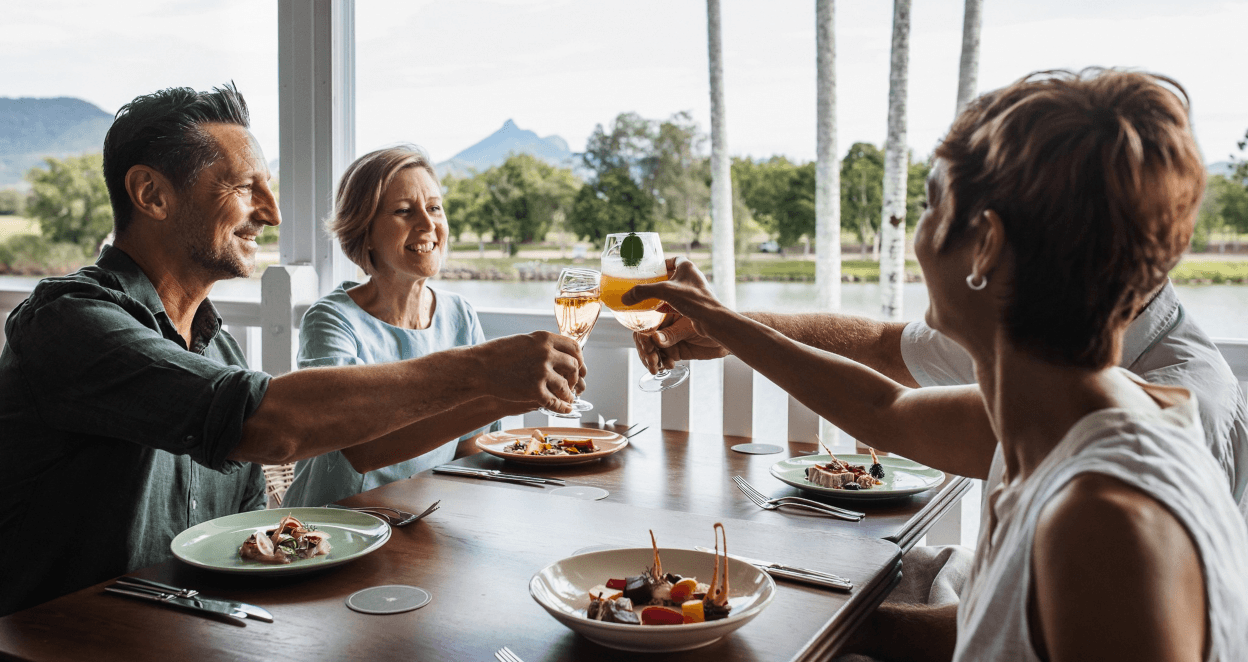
194,504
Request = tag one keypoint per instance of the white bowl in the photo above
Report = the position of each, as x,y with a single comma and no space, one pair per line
562,588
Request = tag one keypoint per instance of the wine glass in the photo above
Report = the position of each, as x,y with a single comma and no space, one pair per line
576,311
636,258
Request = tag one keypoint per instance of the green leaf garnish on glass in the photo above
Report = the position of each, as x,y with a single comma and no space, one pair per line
632,250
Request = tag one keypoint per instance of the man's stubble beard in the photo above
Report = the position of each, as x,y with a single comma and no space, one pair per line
197,239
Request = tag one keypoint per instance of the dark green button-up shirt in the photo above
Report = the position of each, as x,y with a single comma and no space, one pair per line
113,433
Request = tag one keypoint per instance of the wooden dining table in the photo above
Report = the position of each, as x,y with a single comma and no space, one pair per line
477,554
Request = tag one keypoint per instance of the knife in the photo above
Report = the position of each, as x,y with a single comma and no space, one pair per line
214,607
258,613
794,573
495,474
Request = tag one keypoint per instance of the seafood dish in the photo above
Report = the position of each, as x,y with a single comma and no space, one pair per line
291,540
544,444
657,598
841,475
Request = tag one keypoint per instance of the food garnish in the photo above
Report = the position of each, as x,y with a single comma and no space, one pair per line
291,540
544,444
877,469
841,475
664,598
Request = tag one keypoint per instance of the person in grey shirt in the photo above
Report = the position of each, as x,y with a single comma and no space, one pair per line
129,414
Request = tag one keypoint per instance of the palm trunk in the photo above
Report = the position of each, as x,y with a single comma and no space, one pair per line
828,165
968,71
723,265
893,216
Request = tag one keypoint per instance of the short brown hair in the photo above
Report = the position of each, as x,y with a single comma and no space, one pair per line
359,195
1097,179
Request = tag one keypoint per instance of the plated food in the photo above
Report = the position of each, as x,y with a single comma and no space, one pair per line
539,443
831,475
657,598
291,540
215,544
564,588
552,445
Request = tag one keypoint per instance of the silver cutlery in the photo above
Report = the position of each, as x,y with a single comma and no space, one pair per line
630,436
762,501
150,586
805,575
504,654
399,518
495,474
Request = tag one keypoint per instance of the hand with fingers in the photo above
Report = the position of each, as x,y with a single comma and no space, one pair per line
539,369
688,302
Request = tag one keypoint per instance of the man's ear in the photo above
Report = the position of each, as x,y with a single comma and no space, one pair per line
990,247
150,192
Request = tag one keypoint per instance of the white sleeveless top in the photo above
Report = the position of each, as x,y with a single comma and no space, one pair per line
1142,450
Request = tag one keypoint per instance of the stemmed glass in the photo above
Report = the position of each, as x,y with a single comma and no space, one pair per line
576,311
636,258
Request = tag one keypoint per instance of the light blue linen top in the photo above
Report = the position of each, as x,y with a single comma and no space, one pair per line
336,331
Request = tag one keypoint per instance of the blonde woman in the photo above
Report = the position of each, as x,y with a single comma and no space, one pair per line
389,220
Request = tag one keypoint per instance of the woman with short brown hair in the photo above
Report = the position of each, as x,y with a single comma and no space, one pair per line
388,217
1056,207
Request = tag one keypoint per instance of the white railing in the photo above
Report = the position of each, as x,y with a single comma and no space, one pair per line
721,397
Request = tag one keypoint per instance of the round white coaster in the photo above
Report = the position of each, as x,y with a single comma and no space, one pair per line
758,449
392,599
581,492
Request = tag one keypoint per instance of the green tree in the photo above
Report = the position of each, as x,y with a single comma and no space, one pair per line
780,196
916,190
681,174
518,201
70,201
862,192
612,203
465,205
12,202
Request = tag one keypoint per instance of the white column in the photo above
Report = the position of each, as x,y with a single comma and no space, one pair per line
827,163
316,110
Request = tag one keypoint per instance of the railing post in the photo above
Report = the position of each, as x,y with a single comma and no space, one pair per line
803,423
282,288
676,406
738,398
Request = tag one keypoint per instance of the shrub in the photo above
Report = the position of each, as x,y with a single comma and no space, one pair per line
31,254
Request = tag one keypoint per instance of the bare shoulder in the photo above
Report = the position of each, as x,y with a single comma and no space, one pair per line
1108,558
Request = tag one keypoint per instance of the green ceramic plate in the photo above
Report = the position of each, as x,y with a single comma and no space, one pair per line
902,477
214,545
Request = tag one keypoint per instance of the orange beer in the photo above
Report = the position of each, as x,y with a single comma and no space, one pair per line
613,288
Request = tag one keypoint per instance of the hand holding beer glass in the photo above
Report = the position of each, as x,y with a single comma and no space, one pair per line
636,258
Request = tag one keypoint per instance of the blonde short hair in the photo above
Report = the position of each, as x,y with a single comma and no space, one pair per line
359,195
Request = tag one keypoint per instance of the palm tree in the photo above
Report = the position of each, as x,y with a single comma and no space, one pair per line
893,216
828,166
723,265
968,71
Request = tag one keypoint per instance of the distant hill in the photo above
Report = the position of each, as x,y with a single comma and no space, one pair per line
31,129
496,147
1224,168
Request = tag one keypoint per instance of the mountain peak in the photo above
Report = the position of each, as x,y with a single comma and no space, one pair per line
508,140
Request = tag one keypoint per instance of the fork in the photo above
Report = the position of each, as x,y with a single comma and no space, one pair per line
763,502
400,517
504,654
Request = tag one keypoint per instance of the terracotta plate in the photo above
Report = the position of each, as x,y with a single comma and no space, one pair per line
607,442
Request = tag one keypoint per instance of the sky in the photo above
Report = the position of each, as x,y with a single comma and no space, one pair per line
445,74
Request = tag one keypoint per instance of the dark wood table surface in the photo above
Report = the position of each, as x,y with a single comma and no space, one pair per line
476,555
692,473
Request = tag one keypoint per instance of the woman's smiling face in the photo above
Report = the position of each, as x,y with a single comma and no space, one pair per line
408,235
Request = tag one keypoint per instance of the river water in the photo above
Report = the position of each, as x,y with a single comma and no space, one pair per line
1221,310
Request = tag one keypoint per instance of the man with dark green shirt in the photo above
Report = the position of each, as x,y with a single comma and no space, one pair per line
128,414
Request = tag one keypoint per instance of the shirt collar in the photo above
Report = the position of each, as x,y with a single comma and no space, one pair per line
1157,319
130,277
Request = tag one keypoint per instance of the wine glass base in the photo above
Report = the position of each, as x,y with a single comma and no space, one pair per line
556,414
579,407
664,379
